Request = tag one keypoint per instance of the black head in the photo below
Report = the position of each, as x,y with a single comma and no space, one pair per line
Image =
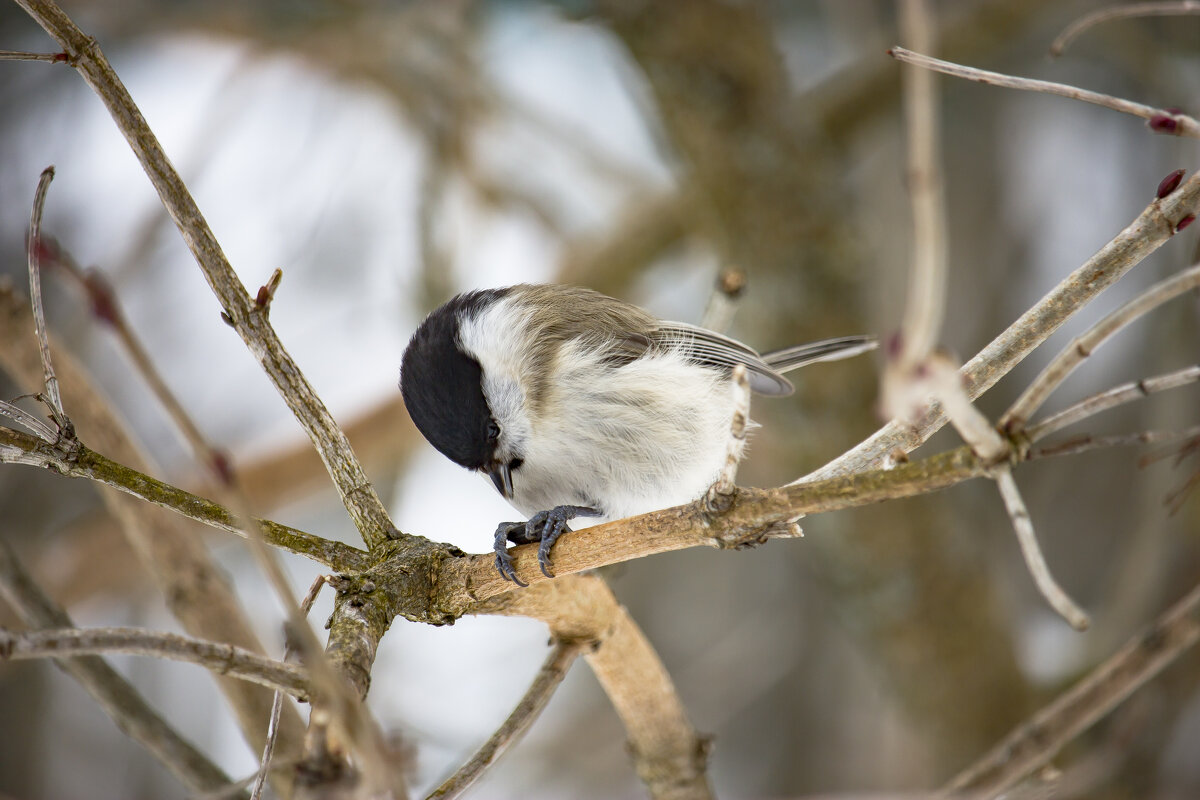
442,386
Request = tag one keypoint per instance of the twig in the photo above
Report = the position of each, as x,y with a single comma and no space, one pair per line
1082,346
127,708
1034,561
17,55
1085,443
723,300
1033,743
1143,236
264,764
925,306
945,384
1118,395
33,245
1160,120
223,659
720,494
24,418
1064,39
553,670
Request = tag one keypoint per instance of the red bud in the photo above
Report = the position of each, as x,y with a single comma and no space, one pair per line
1170,183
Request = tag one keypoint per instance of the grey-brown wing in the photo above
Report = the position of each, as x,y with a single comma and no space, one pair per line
714,350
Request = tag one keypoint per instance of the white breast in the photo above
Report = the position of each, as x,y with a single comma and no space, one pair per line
625,440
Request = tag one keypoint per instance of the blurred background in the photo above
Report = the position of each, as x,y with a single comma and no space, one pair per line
386,155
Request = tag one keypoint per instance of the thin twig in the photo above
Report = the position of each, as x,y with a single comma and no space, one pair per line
223,659
1118,395
18,55
1161,120
1036,741
945,384
925,305
33,246
720,494
1064,39
1086,442
264,764
553,670
1036,563
1083,345
22,417
1155,225
127,708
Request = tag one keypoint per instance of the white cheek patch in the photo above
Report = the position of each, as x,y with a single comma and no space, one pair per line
493,337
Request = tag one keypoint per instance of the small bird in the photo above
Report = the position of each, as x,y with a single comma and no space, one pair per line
576,404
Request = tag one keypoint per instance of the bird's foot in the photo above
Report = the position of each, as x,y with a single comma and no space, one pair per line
543,527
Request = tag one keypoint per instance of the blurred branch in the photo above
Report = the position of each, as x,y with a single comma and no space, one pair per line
194,589
1159,120
1118,395
20,448
223,659
1154,226
17,55
1035,742
1022,523
1064,39
670,757
127,708
50,394
1083,345
359,497
723,300
553,670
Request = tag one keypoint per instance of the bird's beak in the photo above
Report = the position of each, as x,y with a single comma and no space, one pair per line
501,476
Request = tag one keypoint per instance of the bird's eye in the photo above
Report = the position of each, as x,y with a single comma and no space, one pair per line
493,432
515,464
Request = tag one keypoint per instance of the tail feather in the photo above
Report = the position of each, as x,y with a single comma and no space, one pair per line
791,358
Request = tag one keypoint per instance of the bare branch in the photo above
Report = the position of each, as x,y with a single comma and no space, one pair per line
1064,39
1082,346
1086,442
23,418
720,494
670,757
1143,236
127,708
33,246
1159,120
925,306
19,448
1033,743
17,55
1118,395
553,670
224,659
1027,538
359,497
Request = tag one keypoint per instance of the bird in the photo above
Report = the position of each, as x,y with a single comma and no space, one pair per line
578,405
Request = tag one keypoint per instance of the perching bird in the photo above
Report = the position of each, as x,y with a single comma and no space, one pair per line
576,404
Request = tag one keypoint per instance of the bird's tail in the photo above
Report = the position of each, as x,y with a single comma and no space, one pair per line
791,358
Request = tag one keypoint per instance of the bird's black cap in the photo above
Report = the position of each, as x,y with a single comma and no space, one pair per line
442,385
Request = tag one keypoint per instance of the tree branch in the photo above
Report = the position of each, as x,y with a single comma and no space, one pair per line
223,659
1155,225
1033,743
127,708
21,448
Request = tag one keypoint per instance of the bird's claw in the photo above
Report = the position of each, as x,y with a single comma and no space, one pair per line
543,527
